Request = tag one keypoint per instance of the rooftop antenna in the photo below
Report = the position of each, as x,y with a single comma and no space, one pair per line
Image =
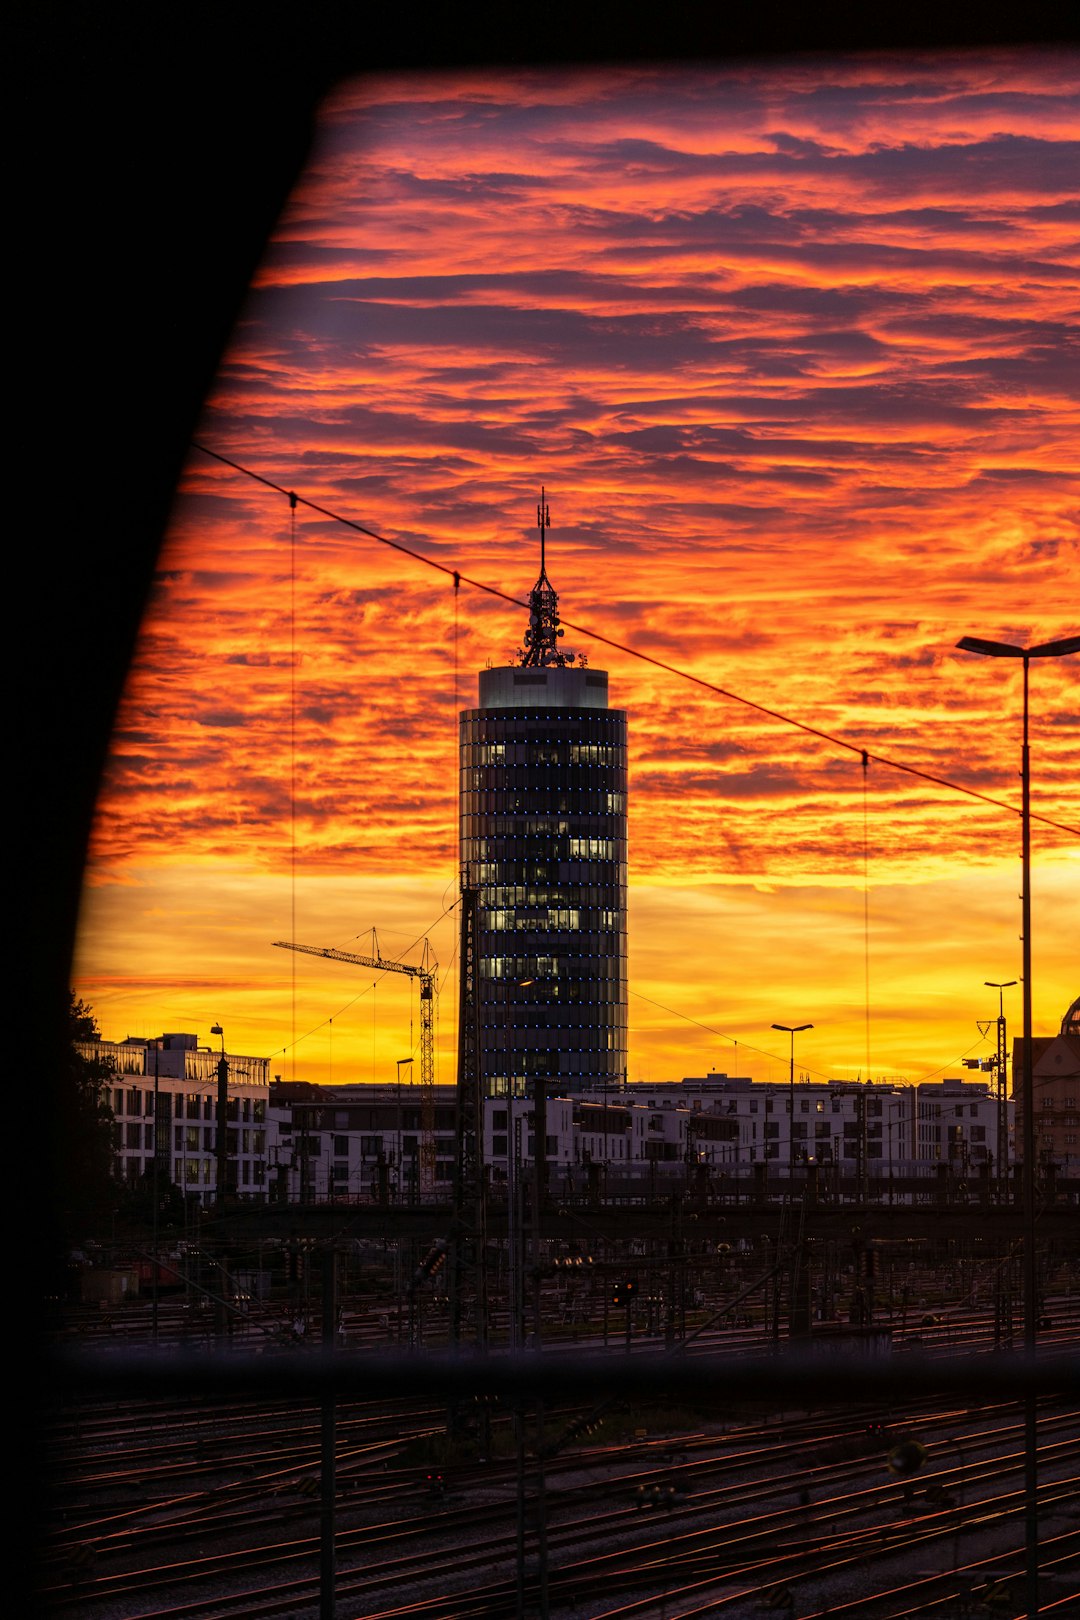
541,648
543,521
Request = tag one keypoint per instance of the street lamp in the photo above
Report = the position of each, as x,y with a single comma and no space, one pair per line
401,1062
1046,649
222,1152
792,1030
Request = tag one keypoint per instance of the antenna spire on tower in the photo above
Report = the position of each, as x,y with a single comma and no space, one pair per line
543,521
542,637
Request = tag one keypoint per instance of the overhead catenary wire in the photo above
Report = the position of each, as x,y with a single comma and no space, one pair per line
634,652
781,718
761,1051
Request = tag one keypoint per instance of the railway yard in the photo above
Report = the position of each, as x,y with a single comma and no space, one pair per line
574,1502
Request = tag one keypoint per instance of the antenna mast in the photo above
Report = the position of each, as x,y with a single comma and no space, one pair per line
541,649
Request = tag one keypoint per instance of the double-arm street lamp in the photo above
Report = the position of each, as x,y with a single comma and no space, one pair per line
1046,649
792,1030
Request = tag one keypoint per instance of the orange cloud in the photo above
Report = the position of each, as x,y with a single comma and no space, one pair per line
792,349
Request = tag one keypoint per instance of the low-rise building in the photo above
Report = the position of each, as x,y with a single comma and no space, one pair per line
299,1142
163,1096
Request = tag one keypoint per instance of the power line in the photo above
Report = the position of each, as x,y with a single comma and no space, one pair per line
760,1051
634,652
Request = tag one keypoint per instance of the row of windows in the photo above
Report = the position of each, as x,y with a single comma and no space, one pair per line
594,1072
574,847
543,725
524,894
533,968
501,883
190,1138
134,1102
370,1146
553,998
806,1104
515,869
200,1172
544,814
565,920
557,751
537,1034
533,791
133,1136
611,876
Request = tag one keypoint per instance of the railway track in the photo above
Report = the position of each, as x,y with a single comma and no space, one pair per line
209,1508
812,1482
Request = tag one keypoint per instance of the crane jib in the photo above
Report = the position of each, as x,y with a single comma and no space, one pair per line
427,978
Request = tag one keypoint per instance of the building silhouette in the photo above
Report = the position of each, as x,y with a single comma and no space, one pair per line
543,843
1055,1077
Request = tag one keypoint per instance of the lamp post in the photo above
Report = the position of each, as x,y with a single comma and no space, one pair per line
222,1156
792,1030
222,1117
401,1063
1046,649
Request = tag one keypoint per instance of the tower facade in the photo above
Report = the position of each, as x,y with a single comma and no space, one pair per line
543,843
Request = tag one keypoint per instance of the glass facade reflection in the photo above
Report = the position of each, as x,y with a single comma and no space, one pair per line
543,839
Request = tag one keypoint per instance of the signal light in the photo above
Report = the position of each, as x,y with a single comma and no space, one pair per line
433,1261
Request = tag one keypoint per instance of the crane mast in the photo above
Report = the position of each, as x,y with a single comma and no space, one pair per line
426,974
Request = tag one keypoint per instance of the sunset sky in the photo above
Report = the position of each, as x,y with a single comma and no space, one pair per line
793,348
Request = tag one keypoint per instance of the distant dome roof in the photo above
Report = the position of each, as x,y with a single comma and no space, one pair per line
1070,1024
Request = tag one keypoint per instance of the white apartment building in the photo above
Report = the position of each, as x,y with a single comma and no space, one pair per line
366,1142
890,1126
164,1102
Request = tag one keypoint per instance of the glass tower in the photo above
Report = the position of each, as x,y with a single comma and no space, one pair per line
543,842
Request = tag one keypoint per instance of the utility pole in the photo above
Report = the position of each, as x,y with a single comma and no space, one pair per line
1000,1063
792,1030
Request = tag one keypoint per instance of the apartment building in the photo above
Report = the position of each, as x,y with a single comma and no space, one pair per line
163,1096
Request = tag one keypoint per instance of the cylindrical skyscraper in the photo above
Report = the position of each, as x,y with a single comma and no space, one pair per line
543,842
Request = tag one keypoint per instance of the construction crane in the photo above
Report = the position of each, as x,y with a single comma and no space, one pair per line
426,973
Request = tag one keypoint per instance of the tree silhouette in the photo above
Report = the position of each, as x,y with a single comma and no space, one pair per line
82,1185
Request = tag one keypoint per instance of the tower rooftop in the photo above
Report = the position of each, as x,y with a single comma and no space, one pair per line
525,686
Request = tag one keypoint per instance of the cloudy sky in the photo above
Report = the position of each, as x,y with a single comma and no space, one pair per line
793,348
